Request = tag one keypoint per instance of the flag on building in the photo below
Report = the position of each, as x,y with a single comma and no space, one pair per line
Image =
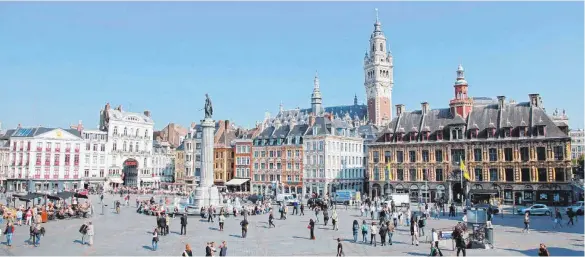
389,171
464,170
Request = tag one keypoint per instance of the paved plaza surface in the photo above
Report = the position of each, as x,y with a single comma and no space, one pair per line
129,233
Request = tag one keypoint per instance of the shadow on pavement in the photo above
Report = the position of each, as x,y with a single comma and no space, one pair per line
554,251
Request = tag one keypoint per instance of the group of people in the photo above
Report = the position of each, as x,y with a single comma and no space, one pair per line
23,217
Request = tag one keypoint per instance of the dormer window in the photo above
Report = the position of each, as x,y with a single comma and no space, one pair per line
491,132
541,130
412,136
507,132
521,132
457,133
440,135
314,131
474,133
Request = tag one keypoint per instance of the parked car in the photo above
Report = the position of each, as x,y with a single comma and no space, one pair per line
536,209
486,206
577,207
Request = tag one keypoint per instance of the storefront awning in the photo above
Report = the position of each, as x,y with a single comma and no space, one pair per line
237,182
483,192
117,180
147,180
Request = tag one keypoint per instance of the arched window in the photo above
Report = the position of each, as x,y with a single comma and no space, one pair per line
137,132
131,147
146,134
137,148
114,146
115,130
131,131
381,47
124,147
373,47
125,131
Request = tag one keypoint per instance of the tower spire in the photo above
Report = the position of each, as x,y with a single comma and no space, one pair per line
316,80
316,100
377,20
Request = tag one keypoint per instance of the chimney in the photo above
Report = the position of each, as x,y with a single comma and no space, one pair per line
424,108
227,124
147,113
399,109
20,126
535,100
501,102
79,126
107,106
119,108
193,124
331,116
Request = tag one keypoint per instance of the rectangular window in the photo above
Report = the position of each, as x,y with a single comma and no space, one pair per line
387,156
439,155
525,173
508,154
400,173
412,175
102,173
57,157
560,175
376,174
457,155
425,155
542,176
493,174
524,154
399,156
425,174
412,156
541,153
478,174
439,175
509,172
376,156
477,154
559,153
493,152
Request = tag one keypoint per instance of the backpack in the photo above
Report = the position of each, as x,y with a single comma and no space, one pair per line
421,223
83,229
364,228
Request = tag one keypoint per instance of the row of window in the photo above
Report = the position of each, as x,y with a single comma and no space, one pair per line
242,172
280,141
242,160
20,145
129,146
272,177
21,159
132,132
339,174
242,149
458,154
278,166
276,154
525,175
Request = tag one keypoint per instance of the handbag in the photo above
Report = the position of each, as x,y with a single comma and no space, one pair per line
309,226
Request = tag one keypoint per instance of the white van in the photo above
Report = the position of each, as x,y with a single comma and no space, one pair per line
288,199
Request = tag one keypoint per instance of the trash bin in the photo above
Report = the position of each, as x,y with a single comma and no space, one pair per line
489,235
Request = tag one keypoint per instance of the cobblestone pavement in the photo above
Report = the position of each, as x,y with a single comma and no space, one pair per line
129,234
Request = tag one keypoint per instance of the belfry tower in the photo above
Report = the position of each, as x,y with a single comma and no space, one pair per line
379,77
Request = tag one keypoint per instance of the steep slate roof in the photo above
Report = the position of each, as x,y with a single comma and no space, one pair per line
267,133
181,147
281,131
359,112
33,132
298,130
122,115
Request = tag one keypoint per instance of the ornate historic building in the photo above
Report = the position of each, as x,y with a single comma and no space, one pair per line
514,151
223,152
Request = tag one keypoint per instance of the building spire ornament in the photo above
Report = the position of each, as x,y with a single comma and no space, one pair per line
377,19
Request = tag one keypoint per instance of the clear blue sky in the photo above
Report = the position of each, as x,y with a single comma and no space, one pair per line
61,62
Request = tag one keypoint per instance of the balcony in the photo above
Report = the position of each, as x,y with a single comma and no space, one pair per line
26,163
58,150
67,163
47,163
76,164
37,176
56,164
47,176
38,163
76,150
75,176
56,176
66,176
21,148
39,149
67,150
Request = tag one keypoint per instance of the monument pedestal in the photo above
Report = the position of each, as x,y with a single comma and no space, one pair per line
207,194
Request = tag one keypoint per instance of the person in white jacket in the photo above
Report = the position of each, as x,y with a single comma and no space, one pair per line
90,233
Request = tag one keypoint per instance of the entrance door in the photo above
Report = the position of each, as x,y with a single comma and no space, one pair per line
518,198
457,193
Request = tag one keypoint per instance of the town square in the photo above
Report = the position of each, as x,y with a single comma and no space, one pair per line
261,129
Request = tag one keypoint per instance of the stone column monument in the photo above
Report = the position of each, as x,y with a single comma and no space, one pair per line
207,193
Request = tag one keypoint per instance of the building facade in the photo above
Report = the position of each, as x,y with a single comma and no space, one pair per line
95,168
179,175
333,156
223,151
4,160
173,133
130,142
243,163
44,159
193,145
577,143
163,164
513,151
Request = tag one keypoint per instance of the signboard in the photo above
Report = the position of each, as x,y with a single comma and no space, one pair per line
445,235
130,163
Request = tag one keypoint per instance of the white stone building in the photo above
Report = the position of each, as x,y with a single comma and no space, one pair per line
577,143
130,138
192,143
44,159
163,164
95,158
4,160
333,158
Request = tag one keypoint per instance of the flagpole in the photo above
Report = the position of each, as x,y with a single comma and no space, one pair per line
460,159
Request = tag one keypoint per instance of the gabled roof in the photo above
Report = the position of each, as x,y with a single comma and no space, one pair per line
33,132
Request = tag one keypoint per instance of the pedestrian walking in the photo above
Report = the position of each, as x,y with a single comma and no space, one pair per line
460,243
302,209
334,220
339,248
188,252
210,249
223,249
83,231
167,223
383,231
317,209
155,239
542,251
435,242
311,228
390,232
184,224
355,230
9,232
271,220
526,223
90,233
244,224
571,215
365,232
37,234
558,219
373,233
414,233
221,221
